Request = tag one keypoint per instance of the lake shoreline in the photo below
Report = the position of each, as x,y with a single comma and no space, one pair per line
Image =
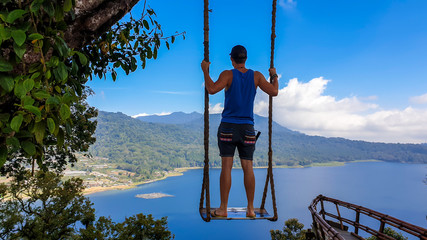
180,171
91,190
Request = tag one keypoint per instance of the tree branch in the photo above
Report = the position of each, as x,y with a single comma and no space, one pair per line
94,17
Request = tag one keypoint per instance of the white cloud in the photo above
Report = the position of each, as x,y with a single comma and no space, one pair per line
304,107
148,114
174,92
287,4
102,95
217,108
419,99
369,98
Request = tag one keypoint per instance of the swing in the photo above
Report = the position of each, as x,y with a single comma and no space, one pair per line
239,212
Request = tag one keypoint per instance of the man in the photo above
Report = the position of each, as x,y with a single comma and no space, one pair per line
237,123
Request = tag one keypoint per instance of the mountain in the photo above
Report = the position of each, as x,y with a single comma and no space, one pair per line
141,146
195,120
173,118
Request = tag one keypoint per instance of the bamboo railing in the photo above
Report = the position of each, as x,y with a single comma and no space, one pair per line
323,230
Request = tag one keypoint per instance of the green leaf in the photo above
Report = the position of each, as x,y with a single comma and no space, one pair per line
35,5
19,90
5,66
34,110
61,72
53,62
62,46
64,112
23,134
59,15
19,37
28,84
51,125
114,76
149,53
53,100
3,16
6,82
27,100
155,53
74,67
48,74
4,32
35,75
35,36
60,137
16,122
39,131
82,58
48,8
173,39
41,94
4,117
68,4
13,141
15,14
146,24
3,155
19,50
67,98
29,147
167,45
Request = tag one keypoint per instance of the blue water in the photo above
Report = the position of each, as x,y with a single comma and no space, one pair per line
391,188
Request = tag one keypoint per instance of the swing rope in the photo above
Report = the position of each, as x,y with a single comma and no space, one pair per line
205,185
270,121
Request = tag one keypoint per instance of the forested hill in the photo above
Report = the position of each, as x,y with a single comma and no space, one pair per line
168,142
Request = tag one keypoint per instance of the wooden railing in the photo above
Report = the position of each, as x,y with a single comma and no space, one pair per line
323,230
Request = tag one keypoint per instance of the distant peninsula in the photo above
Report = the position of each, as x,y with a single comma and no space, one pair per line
153,195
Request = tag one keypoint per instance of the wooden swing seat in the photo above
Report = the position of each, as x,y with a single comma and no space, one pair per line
238,213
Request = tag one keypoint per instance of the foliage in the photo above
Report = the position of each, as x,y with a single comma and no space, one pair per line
392,233
293,230
135,227
137,37
44,207
42,80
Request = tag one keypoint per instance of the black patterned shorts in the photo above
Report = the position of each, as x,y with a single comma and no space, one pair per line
242,136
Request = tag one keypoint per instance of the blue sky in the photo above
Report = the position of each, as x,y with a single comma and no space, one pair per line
355,69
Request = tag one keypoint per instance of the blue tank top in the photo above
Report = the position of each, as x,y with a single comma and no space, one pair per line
239,99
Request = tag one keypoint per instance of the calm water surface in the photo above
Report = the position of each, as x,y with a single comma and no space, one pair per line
391,188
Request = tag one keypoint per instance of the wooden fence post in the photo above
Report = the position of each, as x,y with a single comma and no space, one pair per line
356,229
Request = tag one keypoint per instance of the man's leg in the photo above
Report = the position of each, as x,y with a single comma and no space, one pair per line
249,180
225,184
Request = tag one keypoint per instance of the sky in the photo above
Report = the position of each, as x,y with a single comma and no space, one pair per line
355,69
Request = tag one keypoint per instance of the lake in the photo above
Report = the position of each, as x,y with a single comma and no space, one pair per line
391,188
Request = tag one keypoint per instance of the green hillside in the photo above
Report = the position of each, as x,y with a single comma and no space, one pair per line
144,147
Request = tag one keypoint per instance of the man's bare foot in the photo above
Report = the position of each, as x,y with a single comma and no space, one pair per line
219,213
250,213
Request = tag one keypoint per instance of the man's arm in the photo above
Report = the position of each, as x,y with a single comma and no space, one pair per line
221,83
271,89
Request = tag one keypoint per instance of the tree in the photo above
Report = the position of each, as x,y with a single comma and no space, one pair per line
293,230
48,51
44,207
390,232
